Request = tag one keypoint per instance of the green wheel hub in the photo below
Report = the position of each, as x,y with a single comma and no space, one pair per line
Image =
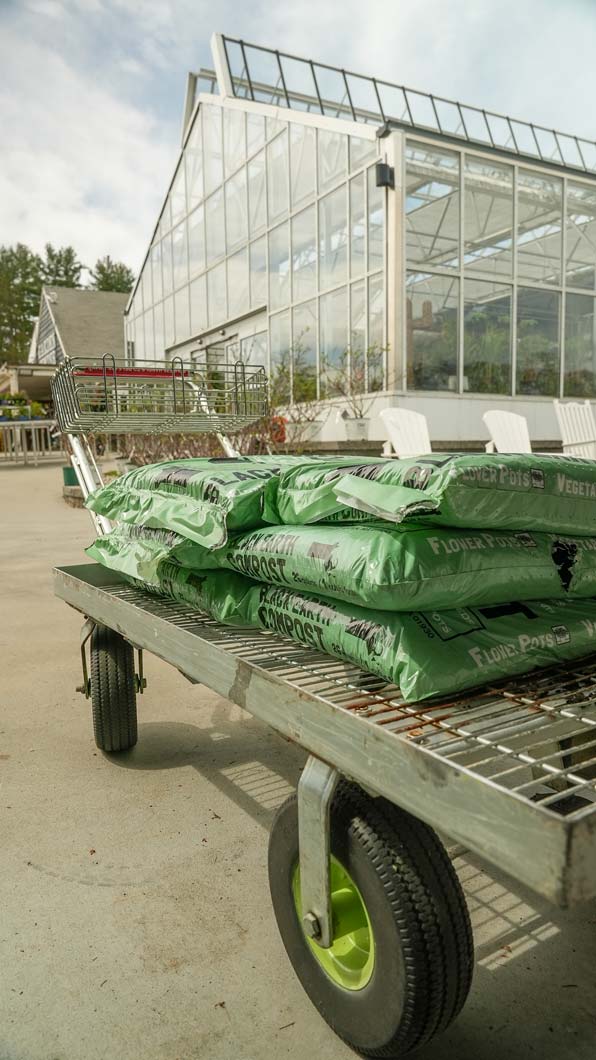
350,959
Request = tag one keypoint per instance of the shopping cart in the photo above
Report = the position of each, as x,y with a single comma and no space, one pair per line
110,395
368,904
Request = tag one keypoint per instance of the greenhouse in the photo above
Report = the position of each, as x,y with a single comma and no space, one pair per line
354,235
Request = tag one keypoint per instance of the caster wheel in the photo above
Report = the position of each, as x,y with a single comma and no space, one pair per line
400,965
113,691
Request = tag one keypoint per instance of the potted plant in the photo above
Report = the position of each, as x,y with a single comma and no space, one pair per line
352,378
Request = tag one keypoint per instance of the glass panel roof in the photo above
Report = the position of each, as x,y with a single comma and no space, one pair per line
267,75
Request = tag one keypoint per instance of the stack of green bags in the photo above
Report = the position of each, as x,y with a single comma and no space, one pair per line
438,574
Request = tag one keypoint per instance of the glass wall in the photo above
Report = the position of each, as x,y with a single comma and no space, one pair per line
272,214
501,276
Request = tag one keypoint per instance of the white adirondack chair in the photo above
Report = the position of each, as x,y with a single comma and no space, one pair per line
578,429
407,433
508,432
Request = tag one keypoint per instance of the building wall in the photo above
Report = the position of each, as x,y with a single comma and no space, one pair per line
501,275
48,349
273,232
473,282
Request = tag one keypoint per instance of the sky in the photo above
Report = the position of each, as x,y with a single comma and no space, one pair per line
92,91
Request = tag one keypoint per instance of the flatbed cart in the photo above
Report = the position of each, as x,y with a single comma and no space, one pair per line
368,905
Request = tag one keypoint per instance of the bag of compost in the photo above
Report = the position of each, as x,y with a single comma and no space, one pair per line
409,569
224,595
500,491
430,653
138,551
201,498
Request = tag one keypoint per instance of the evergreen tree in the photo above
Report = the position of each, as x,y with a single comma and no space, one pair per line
20,289
61,267
111,275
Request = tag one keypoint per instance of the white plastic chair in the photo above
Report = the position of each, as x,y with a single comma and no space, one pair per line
508,432
407,433
578,430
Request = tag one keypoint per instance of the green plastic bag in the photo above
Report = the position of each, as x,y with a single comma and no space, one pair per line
500,491
391,568
430,653
224,595
409,569
138,551
204,498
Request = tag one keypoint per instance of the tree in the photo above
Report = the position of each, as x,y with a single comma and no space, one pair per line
20,287
111,275
61,267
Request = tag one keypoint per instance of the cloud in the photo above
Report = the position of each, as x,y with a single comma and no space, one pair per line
90,115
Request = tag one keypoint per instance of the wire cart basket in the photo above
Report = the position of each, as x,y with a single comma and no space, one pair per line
111,395
108,394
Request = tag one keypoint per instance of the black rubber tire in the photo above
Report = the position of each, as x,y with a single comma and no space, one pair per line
424,954
113,691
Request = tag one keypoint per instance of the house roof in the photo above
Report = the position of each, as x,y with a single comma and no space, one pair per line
89,323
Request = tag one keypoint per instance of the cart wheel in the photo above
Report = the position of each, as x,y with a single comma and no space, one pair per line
400,965
113,691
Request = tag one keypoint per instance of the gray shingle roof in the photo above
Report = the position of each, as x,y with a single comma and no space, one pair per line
90,323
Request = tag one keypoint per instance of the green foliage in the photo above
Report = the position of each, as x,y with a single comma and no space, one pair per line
20,286
61,267
111,275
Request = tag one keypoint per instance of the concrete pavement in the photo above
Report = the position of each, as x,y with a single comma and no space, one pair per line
134,910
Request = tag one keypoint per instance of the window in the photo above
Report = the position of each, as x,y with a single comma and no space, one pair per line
234,140
277,177
431,323
238,300
539,227
488,218
432,206
253,350
487,337
580,346
193,153
256,193
333,159
303,166
159,337
255,132
182,314
236,207
376,347
357,226
149,335
258,272
216,295
178,195
196,241
537,342
376,214
212,141
168,317
333,326
304,254
279,370
304,352
216,234
167,263
180,255
279,266
361,151
333,238
581,235
198,305
156,270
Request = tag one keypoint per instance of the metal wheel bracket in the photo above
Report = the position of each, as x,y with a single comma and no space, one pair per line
315,791
86,631
140,679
